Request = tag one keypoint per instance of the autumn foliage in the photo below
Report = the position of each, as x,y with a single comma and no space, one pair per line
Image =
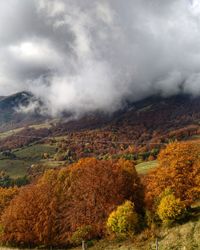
63,201
78,202
6,195
170,209
179,170
123,221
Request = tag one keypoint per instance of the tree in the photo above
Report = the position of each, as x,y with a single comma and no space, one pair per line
6,195
123,221
31,217
170,209
61,202
81,234
98,187
179,170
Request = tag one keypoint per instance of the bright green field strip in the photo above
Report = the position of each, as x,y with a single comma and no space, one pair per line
35,152
145,167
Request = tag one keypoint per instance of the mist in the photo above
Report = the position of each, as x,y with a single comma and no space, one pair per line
82,56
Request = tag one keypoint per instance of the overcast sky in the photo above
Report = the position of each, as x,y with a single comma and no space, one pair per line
86,55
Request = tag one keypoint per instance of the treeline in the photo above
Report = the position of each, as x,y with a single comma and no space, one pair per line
92,199
6,181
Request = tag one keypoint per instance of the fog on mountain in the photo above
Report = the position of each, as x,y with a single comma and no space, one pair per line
83,56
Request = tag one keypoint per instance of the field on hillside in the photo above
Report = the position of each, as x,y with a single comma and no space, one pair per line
33,154
145,167
18,166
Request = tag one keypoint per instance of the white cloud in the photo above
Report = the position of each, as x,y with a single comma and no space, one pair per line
81,56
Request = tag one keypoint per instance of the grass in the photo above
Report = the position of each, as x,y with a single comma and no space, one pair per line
14,168
145,167
42,125
35,152
24,159
179,237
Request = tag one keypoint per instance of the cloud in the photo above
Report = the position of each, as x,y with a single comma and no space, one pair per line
81,56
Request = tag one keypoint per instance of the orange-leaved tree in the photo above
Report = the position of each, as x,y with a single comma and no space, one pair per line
32,217
6,195
179,170
65,200
98,187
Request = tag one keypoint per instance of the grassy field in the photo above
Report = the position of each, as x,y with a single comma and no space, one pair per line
180,237
24,159
145,167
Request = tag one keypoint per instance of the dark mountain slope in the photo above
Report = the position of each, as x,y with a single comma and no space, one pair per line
155,113
152,121
10,111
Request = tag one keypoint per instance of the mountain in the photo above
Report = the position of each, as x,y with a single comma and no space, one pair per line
15,111
153,120
151,114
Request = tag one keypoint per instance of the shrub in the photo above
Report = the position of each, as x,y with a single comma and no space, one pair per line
170,209
82,233
123,221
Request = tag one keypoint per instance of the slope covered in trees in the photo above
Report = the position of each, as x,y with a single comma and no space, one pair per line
144,124
62,201
92,175
94,198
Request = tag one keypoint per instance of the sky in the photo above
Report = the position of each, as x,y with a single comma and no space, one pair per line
87,55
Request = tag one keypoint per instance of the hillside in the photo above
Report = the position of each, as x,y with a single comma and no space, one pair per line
184,236
136,132
11,115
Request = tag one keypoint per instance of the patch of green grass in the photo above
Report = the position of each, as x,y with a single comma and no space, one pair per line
145,167
24,159
51,164
34,152
15,168
195,137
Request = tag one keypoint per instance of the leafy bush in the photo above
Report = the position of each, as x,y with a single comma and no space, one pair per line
82,233
170,209
123,221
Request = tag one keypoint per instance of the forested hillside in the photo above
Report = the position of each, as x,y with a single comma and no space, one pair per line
127,177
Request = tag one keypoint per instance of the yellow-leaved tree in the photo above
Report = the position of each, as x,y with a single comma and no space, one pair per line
123,221
170,209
